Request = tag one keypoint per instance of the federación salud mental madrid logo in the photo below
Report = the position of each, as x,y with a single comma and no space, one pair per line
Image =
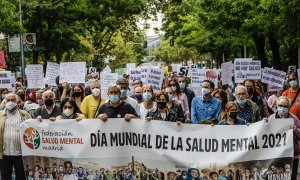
31,138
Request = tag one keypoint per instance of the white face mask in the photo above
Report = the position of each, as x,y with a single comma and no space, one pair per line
205,91
68,112
174,88
96,91
10,105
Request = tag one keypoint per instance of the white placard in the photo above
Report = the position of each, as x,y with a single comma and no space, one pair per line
145,74
106,70
14,44
155,78
185,70
246,69
92,69
35,76
52,72
133,75
105,80
13,83
72,72
274,78
226,70
130,66
292,69
5,79
199,75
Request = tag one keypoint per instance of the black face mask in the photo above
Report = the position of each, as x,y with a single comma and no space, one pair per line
77,94
250,91
233,115
49,102
161,105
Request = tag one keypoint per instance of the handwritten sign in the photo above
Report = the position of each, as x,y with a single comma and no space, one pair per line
155,78
226,70
105,80
274,78
133,75
247,69
199,75
5,79
72,72
52,72
35,76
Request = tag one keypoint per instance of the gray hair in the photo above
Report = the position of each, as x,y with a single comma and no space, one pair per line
92,81
48,91
13,94
113,85
241,87
285,98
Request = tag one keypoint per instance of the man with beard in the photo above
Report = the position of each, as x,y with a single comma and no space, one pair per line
68,168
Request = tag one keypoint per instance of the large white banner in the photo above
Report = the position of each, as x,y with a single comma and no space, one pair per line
199,75
141,146
35,76
52,72
246,69
274,78
72,72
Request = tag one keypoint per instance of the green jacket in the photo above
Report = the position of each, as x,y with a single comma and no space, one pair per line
3,116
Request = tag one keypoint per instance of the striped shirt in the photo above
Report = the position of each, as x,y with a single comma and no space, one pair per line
12,143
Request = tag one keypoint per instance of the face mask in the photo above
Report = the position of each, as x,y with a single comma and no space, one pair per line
282,111
147,96
77,94
184,177
139,97
123,93
250,91
49,102
241,102
40,102
68,112
96,92
161,105
114,98
10,106
182,85
233,115
205,91
170,96
293,83
174,88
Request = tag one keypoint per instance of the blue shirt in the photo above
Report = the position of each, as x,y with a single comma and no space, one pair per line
204,110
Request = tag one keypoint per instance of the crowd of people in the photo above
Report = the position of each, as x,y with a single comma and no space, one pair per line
235,104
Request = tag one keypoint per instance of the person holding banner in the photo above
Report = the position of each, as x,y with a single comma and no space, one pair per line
247,109
148,103
293,93
49,110
206,109
283,111
231,116
162,112
116,107
10,144
91,103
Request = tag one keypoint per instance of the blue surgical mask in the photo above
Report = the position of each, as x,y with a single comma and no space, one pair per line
282,111
170,96
182,85
293,83
114,98
123,93
241,102
139,97
147,96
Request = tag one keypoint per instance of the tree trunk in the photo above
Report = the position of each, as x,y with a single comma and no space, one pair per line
275,50
293,55
259,41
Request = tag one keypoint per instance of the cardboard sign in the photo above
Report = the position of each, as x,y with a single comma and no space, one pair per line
92,70
133,75
199,75
274,78
35,76
226,70
246,69
105,80
14,44
155,78
52,72
130,66
185,70
72,72
5,79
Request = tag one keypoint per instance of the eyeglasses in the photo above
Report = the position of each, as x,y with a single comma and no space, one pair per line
68,107
293,79
281,105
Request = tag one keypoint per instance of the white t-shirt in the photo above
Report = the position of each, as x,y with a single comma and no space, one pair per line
70,177
145,111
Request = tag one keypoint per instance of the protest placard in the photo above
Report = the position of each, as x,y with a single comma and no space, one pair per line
52,72
246,69
292,69
14,43
13,83
92,70
130,66
105,80
72,72
226,71
199,75
106,69
155,78
274,78
5,79
133,75
185,70
35,76
145,73
116,145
